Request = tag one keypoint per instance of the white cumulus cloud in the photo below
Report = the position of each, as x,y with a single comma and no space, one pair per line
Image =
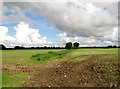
4,35
84,41
75,17
88,21
25,36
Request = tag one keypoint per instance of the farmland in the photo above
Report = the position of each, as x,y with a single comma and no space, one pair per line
60,68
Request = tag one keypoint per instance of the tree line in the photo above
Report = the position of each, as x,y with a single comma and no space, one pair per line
68,45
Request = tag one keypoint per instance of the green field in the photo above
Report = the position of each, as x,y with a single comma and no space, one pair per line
11,58
23,58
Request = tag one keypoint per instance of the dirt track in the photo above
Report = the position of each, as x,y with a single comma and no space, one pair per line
71,74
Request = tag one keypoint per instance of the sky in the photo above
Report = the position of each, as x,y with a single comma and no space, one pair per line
56,22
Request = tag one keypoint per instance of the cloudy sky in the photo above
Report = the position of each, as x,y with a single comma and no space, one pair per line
55,22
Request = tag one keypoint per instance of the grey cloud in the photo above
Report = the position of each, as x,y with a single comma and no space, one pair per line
96,19
16,10
85,41
0,11
79,21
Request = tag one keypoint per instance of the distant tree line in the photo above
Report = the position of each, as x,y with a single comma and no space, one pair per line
45,47
68,45
2,47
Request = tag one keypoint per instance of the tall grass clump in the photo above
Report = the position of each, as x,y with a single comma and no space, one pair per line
50,55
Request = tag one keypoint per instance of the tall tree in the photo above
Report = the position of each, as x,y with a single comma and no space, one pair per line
68,45
76,45
2,47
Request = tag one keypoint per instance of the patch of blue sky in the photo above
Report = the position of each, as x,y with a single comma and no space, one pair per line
10,13
34,17
10,26
49,31
45,28
37,22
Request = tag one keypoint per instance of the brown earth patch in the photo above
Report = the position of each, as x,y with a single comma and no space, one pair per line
13,69
69,74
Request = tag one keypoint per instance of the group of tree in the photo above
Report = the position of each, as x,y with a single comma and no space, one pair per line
44,47
112,46
2,47
69,45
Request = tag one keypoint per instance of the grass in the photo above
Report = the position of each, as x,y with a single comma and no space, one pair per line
23,57
78,58
13,80
106,61
108,64
0,69
82,54
92,51
50,56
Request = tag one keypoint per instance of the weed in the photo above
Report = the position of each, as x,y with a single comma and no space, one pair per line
50,55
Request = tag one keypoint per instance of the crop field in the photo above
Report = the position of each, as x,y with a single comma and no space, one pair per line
85,67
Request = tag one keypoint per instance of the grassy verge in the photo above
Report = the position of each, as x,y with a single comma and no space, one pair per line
15,80
78,58
22,57
82,54
50,56
13,57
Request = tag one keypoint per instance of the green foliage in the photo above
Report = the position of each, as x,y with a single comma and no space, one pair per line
76,45
22,57
50,55
78,58
13,80
68,45
2,46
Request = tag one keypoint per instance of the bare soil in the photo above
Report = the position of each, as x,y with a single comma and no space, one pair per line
67,74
